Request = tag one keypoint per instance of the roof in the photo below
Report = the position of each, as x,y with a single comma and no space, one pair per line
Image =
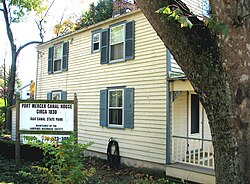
24,87
89,27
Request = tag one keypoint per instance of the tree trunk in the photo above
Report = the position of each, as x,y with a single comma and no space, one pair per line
219,70
11,88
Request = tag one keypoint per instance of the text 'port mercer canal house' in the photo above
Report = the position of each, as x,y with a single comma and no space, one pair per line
130,88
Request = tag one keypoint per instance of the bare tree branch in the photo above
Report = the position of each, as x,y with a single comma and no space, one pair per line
27,44
39,22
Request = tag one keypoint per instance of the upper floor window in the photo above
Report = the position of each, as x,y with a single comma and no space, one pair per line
58,58
95,42
117,35
117,43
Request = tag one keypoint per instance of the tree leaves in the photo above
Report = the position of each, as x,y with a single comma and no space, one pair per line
177,15
20,8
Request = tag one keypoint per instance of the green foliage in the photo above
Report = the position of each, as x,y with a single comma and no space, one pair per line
63,162
216,27
2,116
97,13
21,7
177,15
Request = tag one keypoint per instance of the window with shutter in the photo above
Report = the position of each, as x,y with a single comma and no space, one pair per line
117,43
95,41
117,108
58,58
57,95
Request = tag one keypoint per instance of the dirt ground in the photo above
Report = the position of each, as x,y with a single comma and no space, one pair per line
123,175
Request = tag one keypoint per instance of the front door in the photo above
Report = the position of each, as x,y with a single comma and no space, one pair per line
194,132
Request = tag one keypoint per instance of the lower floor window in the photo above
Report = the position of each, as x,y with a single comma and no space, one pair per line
56,95
115,113
117,107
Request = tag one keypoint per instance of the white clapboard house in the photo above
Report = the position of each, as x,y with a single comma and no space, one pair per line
130,88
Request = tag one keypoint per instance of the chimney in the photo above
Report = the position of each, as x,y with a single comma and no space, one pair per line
123,6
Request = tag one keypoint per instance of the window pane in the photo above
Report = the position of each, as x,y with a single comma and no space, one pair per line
116,51
58,52
115,98
96,37
115,116
57,65
56,96
96,46
117,34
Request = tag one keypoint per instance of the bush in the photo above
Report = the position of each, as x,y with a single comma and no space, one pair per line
63,162
2,117
7,149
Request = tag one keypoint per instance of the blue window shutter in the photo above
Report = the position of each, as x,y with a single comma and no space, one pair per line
49,96
50,60
104,107
130,40
105,46
63,95
129,108
65,56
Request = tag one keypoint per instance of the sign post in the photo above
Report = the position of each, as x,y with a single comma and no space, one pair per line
57,119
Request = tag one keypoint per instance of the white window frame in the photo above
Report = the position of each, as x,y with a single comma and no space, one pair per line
93,42
123,58
55,93
113,125
57,59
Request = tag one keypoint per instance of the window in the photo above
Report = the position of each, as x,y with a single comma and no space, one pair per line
58,58
95,42
117,108
117,43
57,95
195,118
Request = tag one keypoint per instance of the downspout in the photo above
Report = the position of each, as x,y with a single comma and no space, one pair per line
187,121
168,110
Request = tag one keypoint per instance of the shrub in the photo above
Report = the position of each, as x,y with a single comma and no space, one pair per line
63,162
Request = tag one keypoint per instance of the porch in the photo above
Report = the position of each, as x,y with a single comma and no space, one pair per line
191,150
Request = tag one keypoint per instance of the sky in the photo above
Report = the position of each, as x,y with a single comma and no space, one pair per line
27,31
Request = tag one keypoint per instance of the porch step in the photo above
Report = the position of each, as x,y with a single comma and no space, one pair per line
191,173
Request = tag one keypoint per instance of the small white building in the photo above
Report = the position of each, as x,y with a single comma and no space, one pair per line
24,92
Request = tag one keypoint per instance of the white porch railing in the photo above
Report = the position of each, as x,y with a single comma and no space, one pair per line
193,151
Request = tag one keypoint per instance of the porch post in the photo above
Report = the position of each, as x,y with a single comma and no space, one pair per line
168,110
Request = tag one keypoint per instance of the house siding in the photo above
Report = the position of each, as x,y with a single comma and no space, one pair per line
86,77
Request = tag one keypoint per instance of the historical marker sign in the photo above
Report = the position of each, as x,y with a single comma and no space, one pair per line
46,116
